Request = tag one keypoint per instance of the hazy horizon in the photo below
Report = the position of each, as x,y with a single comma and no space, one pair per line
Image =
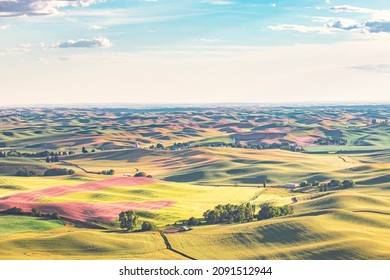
197,105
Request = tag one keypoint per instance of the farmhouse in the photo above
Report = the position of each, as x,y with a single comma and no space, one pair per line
184,228
291,185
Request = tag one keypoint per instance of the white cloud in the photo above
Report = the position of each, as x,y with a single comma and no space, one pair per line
219,2
206,40
299,28
22,48
98,42
377,68
95,27
376,15
11,8
4,27
350,9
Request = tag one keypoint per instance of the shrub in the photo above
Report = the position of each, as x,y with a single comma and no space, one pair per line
140,174
348,184
193,221
147,226
334,183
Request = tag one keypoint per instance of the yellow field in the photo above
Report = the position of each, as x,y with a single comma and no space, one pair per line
76,243
190,200
338,225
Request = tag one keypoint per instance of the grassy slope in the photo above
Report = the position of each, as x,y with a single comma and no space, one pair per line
11,225
220,165
76,243
345,224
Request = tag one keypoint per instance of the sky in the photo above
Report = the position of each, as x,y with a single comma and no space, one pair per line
194,51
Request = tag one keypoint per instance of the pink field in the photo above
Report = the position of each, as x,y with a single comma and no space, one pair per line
83,211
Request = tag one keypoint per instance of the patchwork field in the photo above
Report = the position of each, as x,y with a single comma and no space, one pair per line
196,159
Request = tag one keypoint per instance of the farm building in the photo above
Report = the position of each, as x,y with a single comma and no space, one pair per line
291,185
184,228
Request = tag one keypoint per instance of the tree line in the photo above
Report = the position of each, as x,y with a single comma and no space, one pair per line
35,212
347,183
48,172
241,213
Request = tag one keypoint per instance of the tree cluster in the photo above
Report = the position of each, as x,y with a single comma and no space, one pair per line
52,159
268,211
26,173
35,212
13,211
40,154
336,141
230,213
128,219
142,174
108,172
58,172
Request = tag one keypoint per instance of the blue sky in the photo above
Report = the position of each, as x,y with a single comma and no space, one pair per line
194,51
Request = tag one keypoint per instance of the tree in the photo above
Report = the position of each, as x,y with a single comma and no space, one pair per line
147,226
348,184
304,184
193,221
315,183
211,216
160,146
264,183
140,174
36,212
334,183
111,172
128,219
48,160
268,211
84,150
56,159
71,172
